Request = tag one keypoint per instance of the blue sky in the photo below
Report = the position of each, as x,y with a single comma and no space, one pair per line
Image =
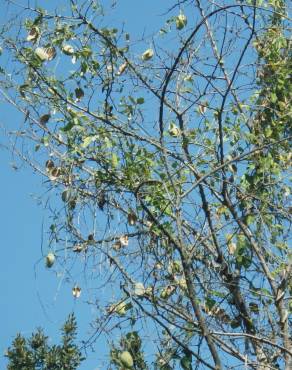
32,296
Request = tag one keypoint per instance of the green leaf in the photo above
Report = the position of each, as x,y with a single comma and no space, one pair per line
140,101
115,160
186,362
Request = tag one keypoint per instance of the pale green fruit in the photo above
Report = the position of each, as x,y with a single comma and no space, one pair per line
126,359
148,54
181,21
50,259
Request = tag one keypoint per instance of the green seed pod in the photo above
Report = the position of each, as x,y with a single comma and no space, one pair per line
173,130
181,21
126,359
66,195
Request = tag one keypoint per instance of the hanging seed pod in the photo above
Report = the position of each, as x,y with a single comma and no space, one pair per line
126,359
79,93
44,119
148,54
101,200
139,289
132,219
122,68
158,266
78,248
173,130
90,239
68,49
49,165
254,307
117,246
41,53
124,240
167,292
51,53
45,53
72,204
33,34
55,173
202,109
181,21
66,195
76,291
50,259
119,308
182,283
231,247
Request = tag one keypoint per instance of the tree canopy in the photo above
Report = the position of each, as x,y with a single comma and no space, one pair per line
35,353
170,156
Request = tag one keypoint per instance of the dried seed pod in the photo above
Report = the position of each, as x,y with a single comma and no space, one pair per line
44,119
51,53
231,247
139,289
78,248
132,219
117,246
148,54
124,240
55,173
68,49
122,68
167,292
72,203
50,259
79,93
202,109
76,291
33,34
101,200
41,54
49,165
45,53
